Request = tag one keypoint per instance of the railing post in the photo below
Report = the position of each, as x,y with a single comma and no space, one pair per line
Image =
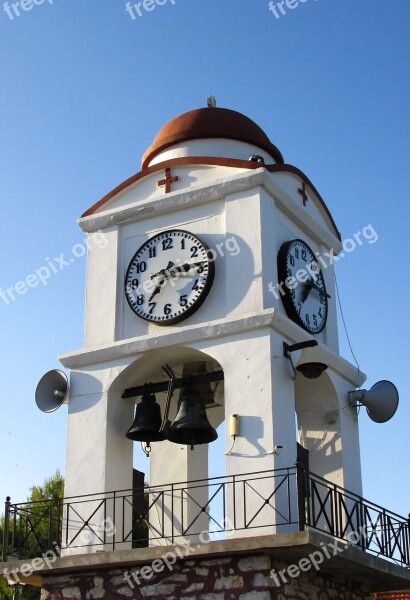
301,494
408,541
6,529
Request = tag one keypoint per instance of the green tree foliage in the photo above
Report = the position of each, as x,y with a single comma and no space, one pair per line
38,524
52,489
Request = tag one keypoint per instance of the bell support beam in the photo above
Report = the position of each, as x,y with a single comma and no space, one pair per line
162,386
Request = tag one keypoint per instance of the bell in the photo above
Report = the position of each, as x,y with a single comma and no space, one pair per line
147,423
191,426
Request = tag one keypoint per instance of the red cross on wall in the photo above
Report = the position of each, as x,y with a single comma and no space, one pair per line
168,181
302,192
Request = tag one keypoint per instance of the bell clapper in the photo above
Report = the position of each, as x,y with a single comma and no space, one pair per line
146,449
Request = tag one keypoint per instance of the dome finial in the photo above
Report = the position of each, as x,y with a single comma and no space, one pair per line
211,101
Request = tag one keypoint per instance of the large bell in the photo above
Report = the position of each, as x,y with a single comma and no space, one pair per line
147,423
191,426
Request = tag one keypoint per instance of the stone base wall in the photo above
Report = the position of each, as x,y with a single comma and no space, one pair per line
230,578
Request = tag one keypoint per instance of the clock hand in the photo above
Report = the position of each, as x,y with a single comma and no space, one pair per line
319,290
185,267
157,289
308,287
172,268
163,272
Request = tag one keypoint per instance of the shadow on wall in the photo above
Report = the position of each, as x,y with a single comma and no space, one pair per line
314,399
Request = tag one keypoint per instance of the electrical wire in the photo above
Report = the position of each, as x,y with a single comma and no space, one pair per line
229,452
345,328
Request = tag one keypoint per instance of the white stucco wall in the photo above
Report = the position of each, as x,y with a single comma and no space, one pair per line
241,327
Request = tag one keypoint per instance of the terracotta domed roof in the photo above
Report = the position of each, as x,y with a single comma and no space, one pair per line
210,123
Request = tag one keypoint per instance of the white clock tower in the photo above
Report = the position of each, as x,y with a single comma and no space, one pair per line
212,261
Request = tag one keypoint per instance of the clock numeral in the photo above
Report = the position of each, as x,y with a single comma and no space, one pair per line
201,269
315,320
167,244
293,294
322,299
152,306
134,284
292,260
299,307
141,267
195,286
182,244
167,309
152,252
194,251
307,318
297,252
320,313
183,300
304,255
140,300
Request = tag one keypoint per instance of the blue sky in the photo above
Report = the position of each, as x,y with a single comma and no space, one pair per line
84,90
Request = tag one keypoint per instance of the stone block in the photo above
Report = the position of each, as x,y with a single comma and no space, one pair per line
153,591
254,563
261,580
194,587
229,583
118,580
125,591
72,593
177,577
255,596
216,562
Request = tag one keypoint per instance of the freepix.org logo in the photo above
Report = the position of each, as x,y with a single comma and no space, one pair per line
279,9
15,9
138,9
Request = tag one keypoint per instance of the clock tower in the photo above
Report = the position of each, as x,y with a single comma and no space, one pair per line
214,258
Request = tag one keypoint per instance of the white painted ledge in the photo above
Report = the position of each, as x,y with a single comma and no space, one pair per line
218,190
190,334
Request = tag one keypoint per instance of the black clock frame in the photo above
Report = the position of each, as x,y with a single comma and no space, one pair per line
286,295
199,301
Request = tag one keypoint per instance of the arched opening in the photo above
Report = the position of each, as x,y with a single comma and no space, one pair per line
172,510
318,425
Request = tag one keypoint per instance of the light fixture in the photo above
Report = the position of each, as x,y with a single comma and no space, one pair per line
257,158
234,426
311,363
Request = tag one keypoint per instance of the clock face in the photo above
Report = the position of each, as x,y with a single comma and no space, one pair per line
304,291
169,277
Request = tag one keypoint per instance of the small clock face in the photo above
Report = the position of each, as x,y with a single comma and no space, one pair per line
304,291
169,277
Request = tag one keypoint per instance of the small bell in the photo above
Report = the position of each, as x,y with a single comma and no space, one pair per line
147,423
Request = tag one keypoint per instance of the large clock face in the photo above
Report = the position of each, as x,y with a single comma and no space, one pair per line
169,277
303,286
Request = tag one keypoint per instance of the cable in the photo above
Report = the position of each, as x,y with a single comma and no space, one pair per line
345,328
227,453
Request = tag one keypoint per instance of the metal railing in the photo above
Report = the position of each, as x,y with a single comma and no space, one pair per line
279,500
345,515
